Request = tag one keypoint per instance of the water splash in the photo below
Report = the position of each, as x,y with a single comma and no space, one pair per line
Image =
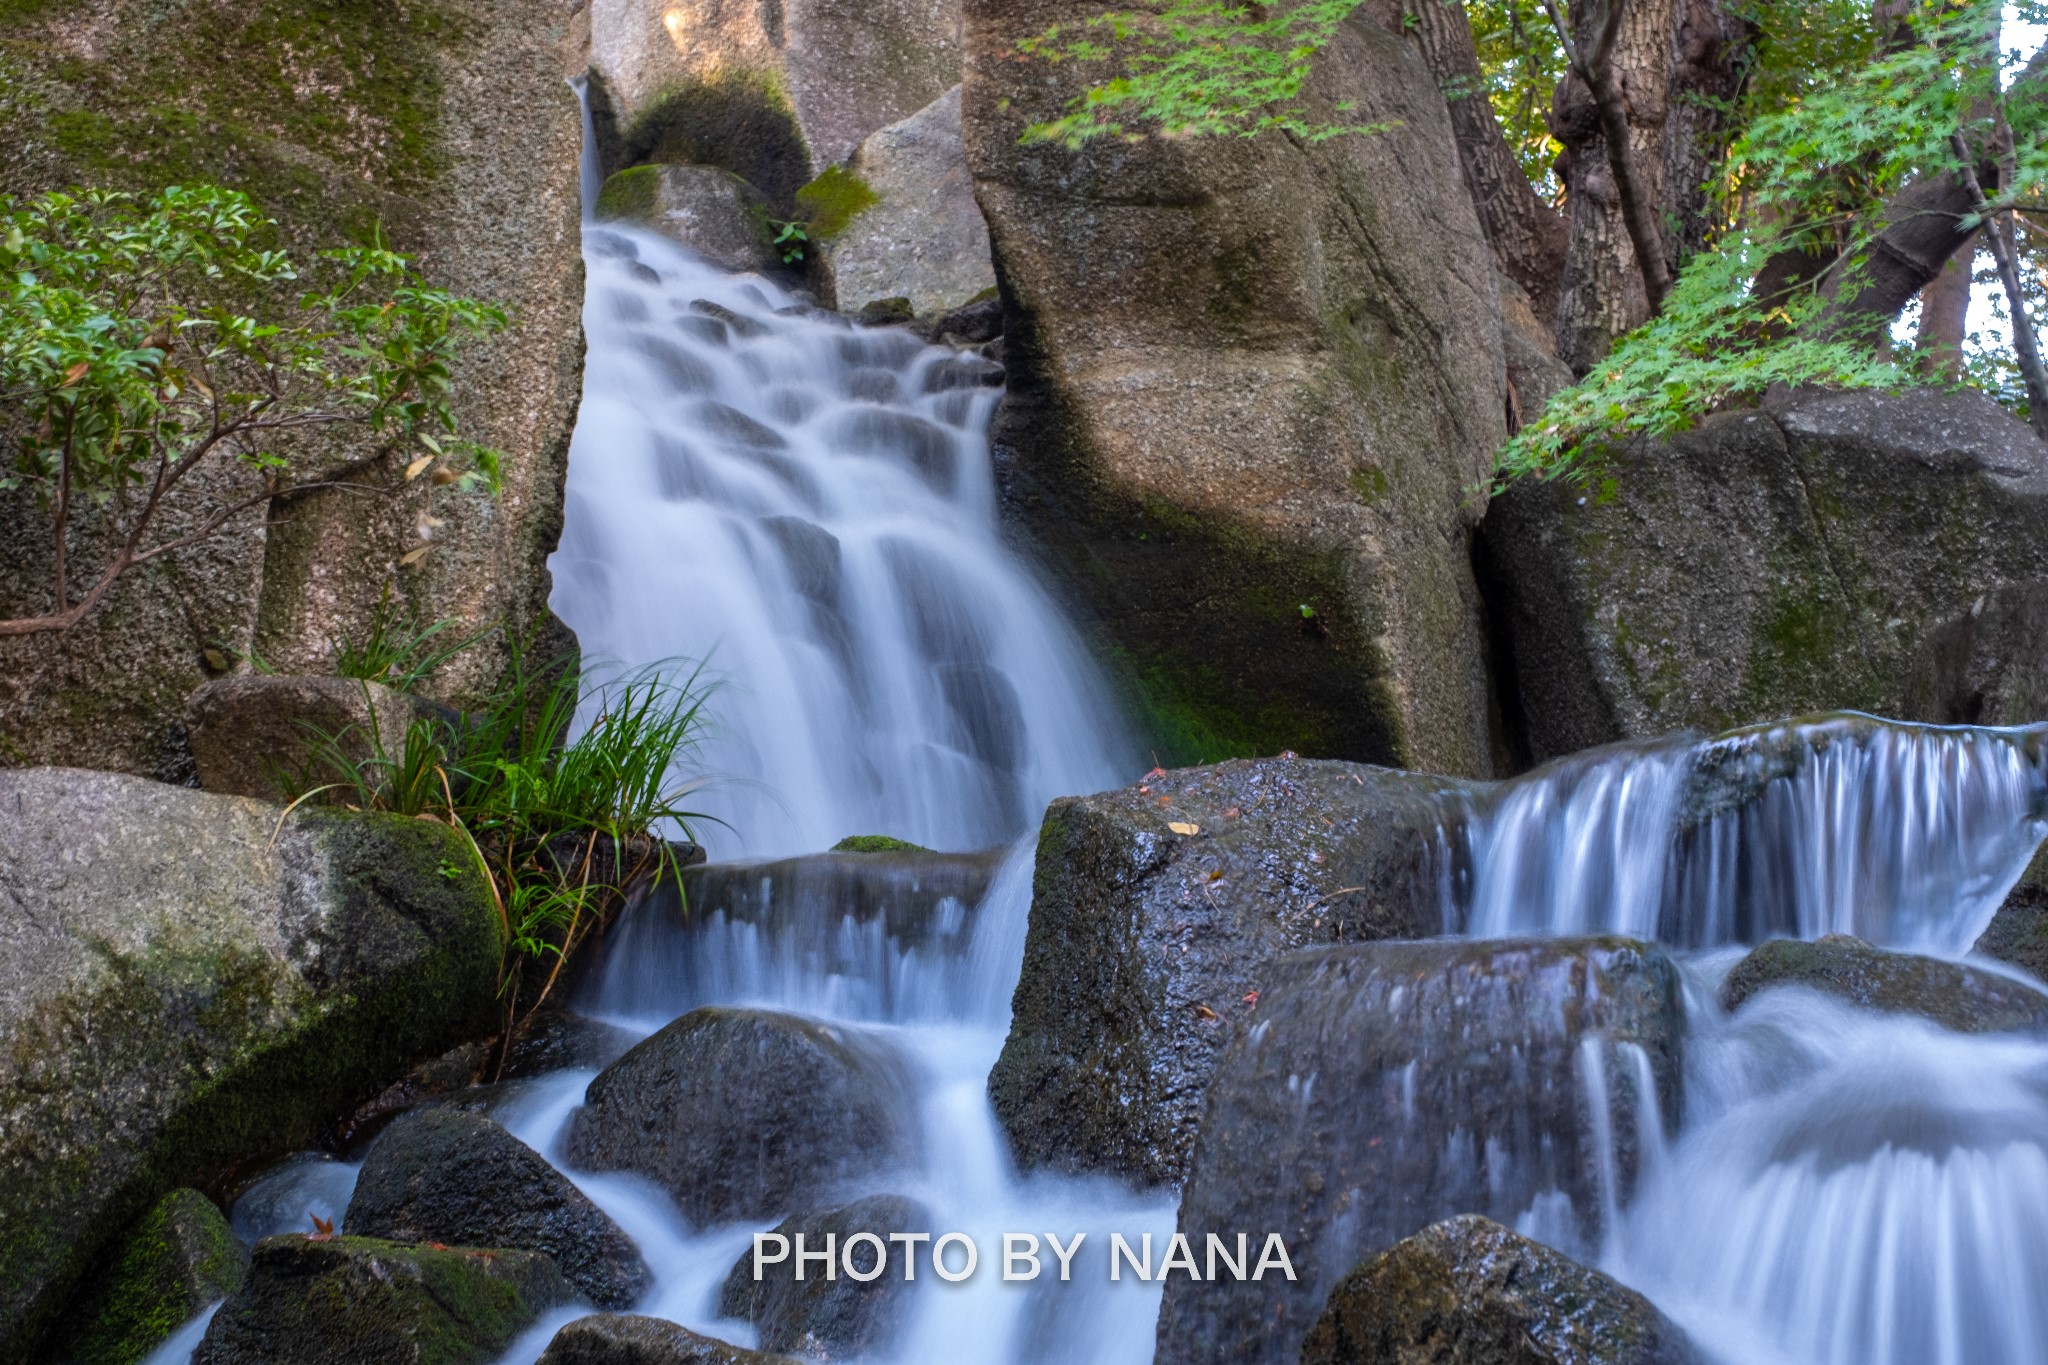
810,507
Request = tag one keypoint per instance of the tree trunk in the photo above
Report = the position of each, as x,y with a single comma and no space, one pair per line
1677,63
1945,315
1527,235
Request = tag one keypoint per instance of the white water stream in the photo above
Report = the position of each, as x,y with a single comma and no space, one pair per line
809,507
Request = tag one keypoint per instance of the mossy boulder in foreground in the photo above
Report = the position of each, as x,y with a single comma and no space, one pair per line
1952,995
354,1300
177,1258
1469,1292
191,980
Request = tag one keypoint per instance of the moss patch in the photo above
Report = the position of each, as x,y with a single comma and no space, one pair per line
876,843
741,120
830,203
630,194
178,1258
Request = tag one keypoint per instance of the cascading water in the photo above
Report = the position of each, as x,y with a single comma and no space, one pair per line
809,508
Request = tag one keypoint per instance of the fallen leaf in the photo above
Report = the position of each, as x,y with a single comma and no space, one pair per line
215,660
411,557
1183,827
445,476
417,467
1252,998
1289,753
323,1229
437,1246
1232,813
1156,772
1164,802
74,374
1217,875
1205,1012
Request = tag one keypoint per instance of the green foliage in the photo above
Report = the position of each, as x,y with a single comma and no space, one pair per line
397,651
142,336
1813,177
790,239
565,827
1521,63
1197,67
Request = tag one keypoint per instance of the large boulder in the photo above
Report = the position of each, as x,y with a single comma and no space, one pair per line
1952,995
253,734
242,978
1249,401
710,211
354,1301
460,140
1831,551
829,1317
1469,1292
629,1339
445,1175
1155,912
1387,1086
177,1259
742,1113
923,237
776,92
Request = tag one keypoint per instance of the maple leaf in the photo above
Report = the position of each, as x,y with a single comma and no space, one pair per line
323,1229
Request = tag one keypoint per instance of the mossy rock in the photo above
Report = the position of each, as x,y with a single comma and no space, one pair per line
832,201
353,1299
739,120
1952,995
178,1258
244,980
876,843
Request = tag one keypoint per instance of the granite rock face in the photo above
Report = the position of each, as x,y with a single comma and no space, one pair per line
1851,551
1156,912
1384,1087
243,982
710,211
1467,1291
176,1260
459,136
253,732
1249,402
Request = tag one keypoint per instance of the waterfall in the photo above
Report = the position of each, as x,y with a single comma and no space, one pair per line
809,509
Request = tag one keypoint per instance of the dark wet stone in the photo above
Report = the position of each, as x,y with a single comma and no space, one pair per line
1952,995
556,1040
833,1318
1470,1292
629,1339
742,1113
1145,942
1382,1087
443,1175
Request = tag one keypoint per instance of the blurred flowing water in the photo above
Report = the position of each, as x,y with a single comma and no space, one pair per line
809,508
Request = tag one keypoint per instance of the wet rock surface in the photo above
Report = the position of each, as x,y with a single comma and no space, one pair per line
1468,1291
1952,995
1844,551
742,1113
2018,933
242,983
353,1301
710,211
838,1318
1383,1087
1146,941
177,1259
443,1175
628,1339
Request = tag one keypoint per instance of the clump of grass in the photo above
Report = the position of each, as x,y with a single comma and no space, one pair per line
568,829
397,650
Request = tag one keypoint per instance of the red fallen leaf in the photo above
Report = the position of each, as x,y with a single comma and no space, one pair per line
1289,753
1232,813
437,1246
323,1229
1156,772
1144,790
1252,998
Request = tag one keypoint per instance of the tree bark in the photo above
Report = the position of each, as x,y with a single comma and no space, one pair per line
1527,235
1675,73
1945,314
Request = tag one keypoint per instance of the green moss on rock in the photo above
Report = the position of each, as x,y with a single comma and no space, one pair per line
876,843
740,120
178,1258
632,194
832,201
